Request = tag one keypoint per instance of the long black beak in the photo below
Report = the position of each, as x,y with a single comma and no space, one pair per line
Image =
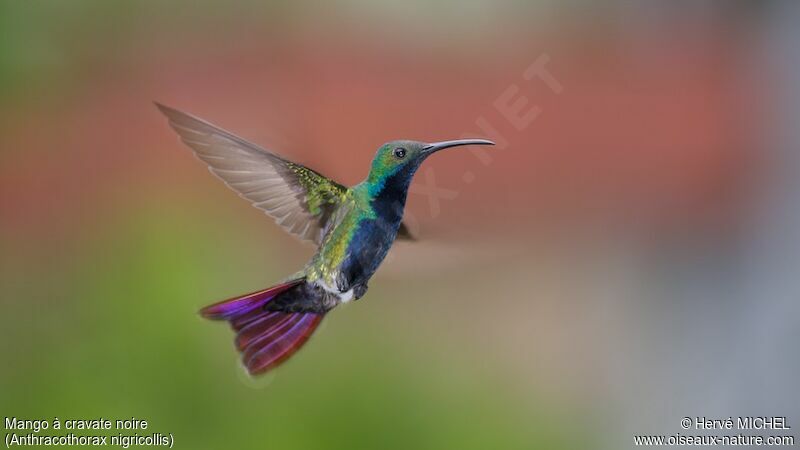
436,146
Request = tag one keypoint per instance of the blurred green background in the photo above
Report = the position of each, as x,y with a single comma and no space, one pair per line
624,260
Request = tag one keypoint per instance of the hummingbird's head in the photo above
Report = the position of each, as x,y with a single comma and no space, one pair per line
397,161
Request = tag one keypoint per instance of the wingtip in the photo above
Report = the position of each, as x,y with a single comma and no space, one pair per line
166,110
176,116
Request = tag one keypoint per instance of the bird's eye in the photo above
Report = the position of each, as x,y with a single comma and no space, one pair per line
400,153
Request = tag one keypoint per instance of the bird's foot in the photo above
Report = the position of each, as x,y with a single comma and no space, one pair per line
342,283
359,291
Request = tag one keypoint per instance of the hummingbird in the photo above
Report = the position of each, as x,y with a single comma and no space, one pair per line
352,228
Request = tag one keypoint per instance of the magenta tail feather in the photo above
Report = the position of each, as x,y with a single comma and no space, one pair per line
280,342
238,306
265,338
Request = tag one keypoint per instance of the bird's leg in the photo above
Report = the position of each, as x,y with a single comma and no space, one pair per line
343,284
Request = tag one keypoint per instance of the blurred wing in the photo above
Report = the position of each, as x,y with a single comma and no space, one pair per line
298,198
404,233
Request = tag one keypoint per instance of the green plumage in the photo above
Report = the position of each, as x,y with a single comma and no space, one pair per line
352,227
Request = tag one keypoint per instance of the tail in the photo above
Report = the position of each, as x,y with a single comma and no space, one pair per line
265,338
